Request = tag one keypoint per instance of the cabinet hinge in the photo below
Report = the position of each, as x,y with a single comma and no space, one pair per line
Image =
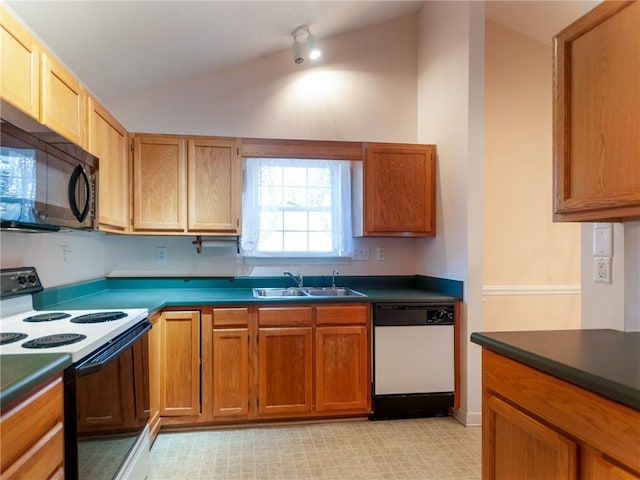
237,222
132,145
237,150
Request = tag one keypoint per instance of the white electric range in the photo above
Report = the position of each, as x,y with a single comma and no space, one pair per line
106,394
76,332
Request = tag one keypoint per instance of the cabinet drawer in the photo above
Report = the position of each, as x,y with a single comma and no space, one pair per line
230,317
45,459
342,314
293,316
28,422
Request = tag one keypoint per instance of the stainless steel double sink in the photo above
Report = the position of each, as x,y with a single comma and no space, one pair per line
294,292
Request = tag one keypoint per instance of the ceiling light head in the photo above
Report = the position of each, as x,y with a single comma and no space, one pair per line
303,34
298,56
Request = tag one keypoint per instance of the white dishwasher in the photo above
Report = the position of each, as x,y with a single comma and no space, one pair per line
413,360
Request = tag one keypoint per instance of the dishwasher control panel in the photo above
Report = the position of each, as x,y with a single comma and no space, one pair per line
398,314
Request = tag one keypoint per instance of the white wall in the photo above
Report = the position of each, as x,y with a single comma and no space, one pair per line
60,258
632,277
450,114
531,264
365,89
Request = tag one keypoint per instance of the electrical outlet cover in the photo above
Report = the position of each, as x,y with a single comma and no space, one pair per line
602,269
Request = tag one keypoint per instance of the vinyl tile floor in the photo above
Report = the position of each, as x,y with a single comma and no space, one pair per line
413,449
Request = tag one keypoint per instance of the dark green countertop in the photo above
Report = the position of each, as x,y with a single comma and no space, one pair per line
19,374
157,293
603,361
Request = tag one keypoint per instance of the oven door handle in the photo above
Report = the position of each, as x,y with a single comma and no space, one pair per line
101,358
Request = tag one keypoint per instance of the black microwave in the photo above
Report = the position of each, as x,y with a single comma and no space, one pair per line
46,182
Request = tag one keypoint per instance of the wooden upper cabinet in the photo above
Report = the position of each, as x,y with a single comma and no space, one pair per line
109,142
399,190
159,164
597,115
20,66
64,101
214,185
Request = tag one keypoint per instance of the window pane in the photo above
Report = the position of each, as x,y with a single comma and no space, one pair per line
295,241
293,206
320,242
319,197
270,220
320,221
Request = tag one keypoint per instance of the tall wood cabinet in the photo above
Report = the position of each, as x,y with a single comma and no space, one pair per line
108,140
398,190
186,185
596,89
179,363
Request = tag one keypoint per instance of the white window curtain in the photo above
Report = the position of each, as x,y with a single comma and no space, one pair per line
296,208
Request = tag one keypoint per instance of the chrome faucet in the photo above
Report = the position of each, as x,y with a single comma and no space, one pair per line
333,278
296,278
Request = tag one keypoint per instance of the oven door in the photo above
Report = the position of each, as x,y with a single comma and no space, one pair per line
107,406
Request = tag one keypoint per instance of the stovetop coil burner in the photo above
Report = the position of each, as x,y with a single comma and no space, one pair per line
56,340
11,337
99,317
47,317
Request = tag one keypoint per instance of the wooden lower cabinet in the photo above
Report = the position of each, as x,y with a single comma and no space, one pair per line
32,435
536,426
525,448
259,363
342,378
285,371
179,363
231,367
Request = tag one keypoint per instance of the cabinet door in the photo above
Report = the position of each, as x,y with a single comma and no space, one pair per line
231,381
155,355
399,190
180,371
108,141
515,445
214,186
342,368
64,101
285,371
20,66
596,115
158,184
593,466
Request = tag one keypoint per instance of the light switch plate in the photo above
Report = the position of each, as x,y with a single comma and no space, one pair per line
602,242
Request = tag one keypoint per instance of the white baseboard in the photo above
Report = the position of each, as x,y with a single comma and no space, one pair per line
468,419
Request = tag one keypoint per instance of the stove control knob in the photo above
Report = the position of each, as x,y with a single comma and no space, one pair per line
22,279
31,278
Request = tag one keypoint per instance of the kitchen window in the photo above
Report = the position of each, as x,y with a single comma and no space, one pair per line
296,208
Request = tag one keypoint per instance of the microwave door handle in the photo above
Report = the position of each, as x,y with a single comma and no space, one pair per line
73,182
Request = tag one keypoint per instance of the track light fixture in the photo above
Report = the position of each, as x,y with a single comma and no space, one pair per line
302,33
